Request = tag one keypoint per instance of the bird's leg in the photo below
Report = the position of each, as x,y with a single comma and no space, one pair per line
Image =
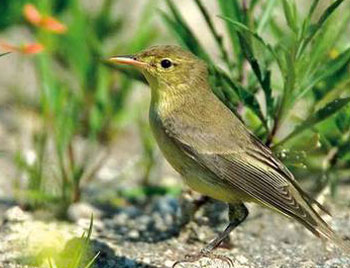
237,214
190,204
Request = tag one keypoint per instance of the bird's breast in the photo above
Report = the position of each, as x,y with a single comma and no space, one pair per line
166,144
195,175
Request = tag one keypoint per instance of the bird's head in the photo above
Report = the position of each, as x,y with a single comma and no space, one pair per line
166,66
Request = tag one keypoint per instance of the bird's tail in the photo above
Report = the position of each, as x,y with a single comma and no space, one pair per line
321,229
324,230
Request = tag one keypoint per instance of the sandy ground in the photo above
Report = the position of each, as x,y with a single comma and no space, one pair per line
150,236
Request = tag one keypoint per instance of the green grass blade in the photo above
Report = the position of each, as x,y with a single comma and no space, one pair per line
290,15
328,69
244,29
183,32
90,228
262,76
3,54
266,16
91,262
312,8
319,116
329,12
217,37
314,28
232,10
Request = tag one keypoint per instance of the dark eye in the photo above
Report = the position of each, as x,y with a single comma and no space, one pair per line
166,63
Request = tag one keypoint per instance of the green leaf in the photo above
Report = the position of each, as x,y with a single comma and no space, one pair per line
319,116
3,54
328,69
314,28
217,37
183,32
244,29
230,92
342,120
263,76
323,44
232,10
266,16
290,15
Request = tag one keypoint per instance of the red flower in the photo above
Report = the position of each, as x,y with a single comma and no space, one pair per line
28,49
33,16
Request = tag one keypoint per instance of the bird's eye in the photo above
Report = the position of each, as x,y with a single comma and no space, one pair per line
166,63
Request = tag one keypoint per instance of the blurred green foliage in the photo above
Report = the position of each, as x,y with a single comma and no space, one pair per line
11,11
77,253
282,68
81,102
57,251
275,68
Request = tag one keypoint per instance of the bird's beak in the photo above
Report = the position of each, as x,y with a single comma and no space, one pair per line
128,60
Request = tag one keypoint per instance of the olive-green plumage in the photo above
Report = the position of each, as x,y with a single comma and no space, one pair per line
210,147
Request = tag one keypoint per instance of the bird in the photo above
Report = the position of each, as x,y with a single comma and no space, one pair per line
212,149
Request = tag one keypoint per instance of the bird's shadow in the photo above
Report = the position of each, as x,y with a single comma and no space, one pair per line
215,212
148,234
107,257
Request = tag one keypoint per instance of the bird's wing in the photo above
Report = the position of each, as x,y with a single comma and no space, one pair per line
249,175
262,153
269,186
236,156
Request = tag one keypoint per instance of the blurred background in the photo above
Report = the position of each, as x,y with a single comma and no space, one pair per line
74,128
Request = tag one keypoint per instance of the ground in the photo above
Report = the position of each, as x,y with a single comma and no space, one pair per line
149,235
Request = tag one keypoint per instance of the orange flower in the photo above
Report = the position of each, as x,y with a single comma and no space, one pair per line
53,25
33,16
33,48
28,49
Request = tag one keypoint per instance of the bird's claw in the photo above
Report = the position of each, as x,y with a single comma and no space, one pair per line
190,258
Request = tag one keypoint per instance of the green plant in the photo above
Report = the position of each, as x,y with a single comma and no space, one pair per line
272,69
79,110
77,253
3,54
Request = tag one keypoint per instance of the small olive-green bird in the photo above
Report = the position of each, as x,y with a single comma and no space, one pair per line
212,149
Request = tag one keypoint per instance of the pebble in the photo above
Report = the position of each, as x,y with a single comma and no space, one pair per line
82,210
252,248
168,263
337,263
16,214
241,259
134,234
128,263
120,218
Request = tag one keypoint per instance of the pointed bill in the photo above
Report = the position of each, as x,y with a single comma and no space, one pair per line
127,60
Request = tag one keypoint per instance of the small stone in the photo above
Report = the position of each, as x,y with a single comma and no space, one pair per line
308,264
241,259
168,263
146,260
134,234
121,218
128,263
167,205
79,211
16,214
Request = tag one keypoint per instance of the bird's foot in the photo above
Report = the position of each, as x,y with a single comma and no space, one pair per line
191,258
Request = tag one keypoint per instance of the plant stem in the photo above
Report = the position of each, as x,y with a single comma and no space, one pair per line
218,38
289,83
